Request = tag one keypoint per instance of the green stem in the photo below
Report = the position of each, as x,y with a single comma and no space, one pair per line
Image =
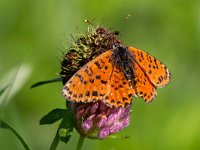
80,142
55,142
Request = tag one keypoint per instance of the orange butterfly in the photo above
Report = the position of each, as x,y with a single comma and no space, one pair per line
115,76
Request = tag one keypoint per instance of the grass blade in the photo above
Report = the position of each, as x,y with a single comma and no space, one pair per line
5,125
3,90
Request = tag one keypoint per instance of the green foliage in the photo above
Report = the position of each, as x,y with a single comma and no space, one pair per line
46,82
53,116
3,90
5,125
66,126
32,31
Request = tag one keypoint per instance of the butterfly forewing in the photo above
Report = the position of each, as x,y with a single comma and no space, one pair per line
157,72
99,80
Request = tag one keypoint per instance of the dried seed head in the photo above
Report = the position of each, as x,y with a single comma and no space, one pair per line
85,48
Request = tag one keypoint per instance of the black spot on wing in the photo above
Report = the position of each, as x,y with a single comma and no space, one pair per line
106,67
129,95
91,80
120,86
102,94
124,99
75,95
150,72
103,82
97,64
79,76
119,102
98,77
112,101
87,93
94,93
81,96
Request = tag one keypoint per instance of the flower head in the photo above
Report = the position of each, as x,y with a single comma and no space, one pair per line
96,120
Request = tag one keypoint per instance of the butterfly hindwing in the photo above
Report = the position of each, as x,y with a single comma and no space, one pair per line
143,87
157,72
120,92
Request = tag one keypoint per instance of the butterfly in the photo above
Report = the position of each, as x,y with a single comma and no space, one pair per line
117,75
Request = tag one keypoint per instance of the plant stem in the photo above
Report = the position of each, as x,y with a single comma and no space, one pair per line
80,142
55,142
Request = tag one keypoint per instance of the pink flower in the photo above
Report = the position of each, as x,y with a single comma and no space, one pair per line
96,120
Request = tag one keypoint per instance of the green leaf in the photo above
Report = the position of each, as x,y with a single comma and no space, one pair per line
53,116
4,124
66,127
64,130
46,82
3,90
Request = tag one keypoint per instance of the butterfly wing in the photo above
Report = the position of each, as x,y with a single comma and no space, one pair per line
157,72
143,86
99,80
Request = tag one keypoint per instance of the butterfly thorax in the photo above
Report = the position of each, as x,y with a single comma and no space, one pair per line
123,60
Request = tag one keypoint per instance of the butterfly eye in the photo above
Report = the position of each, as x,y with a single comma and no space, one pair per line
116,45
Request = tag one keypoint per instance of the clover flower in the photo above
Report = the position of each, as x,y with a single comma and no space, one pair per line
96,120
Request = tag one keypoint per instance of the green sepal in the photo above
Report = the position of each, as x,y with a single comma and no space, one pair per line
53,116
66,127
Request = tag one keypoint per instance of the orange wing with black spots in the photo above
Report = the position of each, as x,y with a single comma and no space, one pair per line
150,74
144,87
99,80
157,72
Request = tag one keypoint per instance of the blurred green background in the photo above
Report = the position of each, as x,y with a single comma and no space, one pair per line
31,34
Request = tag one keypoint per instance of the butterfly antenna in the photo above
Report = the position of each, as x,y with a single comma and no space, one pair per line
126,18
89,22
